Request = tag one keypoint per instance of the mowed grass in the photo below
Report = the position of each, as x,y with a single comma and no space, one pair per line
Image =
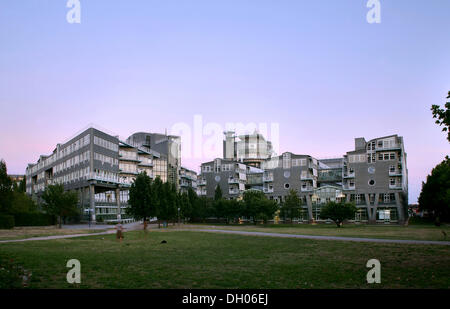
30,232
414,232
212,260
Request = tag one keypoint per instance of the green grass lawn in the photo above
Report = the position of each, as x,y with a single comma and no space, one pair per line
415,232
209,260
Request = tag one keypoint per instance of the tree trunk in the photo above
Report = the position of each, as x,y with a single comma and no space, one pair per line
60,221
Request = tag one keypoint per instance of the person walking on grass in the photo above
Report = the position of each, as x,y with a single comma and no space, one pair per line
119,233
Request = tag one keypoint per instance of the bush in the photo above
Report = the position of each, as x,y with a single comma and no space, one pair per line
13,275
34,219
6,222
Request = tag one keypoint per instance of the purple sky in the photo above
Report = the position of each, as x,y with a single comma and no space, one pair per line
315,67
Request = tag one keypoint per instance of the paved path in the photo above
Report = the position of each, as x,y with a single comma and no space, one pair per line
377,240
129,227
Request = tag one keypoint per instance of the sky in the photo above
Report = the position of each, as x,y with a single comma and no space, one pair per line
315,71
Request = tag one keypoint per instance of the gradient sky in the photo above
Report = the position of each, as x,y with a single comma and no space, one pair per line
315,67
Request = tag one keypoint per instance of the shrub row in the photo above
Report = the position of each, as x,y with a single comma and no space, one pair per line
6,221
34,219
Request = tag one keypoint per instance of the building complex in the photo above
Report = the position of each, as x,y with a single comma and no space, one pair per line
101,167
374,176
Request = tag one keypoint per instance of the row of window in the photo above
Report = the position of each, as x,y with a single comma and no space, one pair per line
78,159
78,144
105,159
371,157
106,144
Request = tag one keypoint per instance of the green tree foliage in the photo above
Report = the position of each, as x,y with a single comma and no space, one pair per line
6,193
258,207
338,212
442,116
232,209
60,203
185,206
291,206
167,200
142,201
435,194
202,208
22,203
218,193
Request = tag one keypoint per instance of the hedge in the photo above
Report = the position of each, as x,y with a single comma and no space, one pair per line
34,219
6,222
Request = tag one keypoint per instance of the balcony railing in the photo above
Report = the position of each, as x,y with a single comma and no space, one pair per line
308,188
395,186
389,147
233,180
349,175
234,191
268,190
268,178
307,176
395,173
202,182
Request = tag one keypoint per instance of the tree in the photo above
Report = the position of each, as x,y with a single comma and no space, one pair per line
22,203
185,206
338,212
435,194
6,195
232,209
442,116
291,206
202,208
258,207
218,193
142,203
267,209
60,203
167,206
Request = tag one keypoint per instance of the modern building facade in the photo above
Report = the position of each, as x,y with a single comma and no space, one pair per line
187,179
100,168
251,149
167,146
373,176
230,175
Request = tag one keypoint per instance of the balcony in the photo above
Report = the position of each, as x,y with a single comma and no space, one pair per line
349,175
306,189
395,146
93,176
307,176
184,183
348,187
202,182
395,186
233,180
395,173
267,178
142,163
233,191
268,190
